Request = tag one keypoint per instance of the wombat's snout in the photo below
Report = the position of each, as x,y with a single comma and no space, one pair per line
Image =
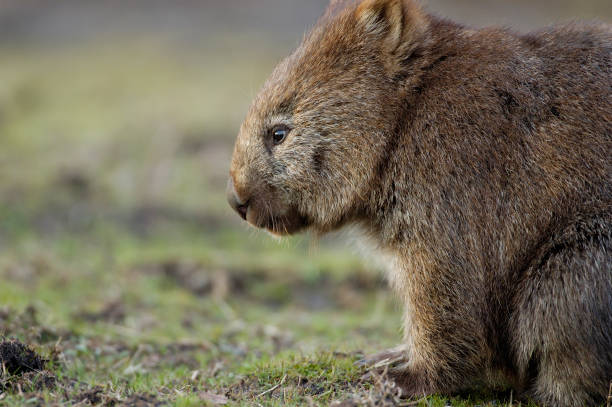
235,202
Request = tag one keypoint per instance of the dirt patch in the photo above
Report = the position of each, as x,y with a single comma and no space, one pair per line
18,358
23,372
30,382
197,278
22,369
92,396
113,312
275,288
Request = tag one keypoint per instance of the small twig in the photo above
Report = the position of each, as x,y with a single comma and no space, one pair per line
273,388
511,401
609,403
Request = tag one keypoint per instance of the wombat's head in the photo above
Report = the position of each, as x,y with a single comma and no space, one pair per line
310,149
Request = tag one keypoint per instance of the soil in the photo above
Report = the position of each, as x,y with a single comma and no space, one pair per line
18,358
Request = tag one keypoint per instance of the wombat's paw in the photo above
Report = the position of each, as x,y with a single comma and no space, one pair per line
389,360
392,365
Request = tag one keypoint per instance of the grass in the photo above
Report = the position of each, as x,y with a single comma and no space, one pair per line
122,266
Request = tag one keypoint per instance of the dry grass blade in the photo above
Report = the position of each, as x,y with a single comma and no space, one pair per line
271,389
609,403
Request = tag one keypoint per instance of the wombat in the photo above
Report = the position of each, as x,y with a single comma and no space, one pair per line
479,161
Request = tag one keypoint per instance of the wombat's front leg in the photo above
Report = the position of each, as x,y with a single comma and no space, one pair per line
444,350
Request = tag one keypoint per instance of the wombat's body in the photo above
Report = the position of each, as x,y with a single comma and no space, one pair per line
480,161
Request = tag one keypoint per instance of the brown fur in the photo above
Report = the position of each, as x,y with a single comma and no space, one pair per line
479,161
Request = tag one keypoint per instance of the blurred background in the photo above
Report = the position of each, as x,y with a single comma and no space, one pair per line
117,120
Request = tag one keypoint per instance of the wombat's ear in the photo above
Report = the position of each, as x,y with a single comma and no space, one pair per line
334,6
401,23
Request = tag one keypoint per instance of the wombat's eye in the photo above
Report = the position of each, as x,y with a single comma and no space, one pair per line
279,133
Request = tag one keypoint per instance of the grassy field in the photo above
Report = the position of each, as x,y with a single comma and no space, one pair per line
125,272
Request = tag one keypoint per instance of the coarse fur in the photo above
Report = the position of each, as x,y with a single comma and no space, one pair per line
479,161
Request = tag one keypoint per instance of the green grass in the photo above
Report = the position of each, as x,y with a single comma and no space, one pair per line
121,263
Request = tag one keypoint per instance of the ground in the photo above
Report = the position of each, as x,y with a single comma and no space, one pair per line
126,278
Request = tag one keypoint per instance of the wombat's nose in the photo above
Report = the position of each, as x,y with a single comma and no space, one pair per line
234,201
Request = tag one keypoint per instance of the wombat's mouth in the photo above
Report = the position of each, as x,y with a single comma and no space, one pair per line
264,211
286,224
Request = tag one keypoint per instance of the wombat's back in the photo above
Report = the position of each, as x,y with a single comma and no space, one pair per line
512,132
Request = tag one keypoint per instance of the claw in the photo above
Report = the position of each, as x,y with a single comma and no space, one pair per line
394,359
